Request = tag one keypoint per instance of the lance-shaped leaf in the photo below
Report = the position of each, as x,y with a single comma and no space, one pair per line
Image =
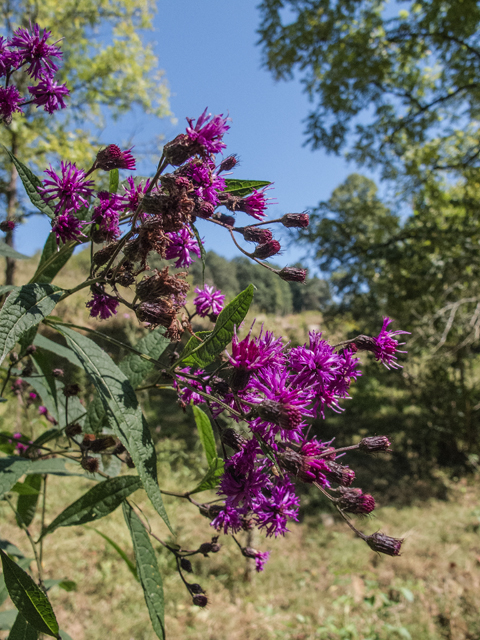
6,288
113,179
147,570
21,630
125,415
12,469
29,599
135,368
23,309
212,478
57,349
9,252
214,343
43,363
52,259
119,550
31,183
242,188
205,431
97,503
27,502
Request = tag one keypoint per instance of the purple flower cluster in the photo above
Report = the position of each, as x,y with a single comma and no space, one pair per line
29,49
182,244
208,301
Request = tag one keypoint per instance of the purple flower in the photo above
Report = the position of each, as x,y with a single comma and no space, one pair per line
254,205
386,346
252,354
20,447
346,372
102,305
43,411
9,102
71,188
106,215
208,300
208,132
187,395
35,51
272,512
243,461
112,157
67,227
8,59
241,488
132,194
229,519
316,366
206,183
182,244
261,558
49,94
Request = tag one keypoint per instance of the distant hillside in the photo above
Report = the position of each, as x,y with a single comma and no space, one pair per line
273,294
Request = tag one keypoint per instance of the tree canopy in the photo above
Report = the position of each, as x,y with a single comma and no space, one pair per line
393,86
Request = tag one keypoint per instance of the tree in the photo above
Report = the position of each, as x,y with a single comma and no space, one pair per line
102,78
397,91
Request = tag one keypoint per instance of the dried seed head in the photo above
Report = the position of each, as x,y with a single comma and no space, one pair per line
90,464
160,284
156,313
102,256
129,462
186,565
73,430
30,349
100,444
179,150
7,225
119,449
195,588
70,390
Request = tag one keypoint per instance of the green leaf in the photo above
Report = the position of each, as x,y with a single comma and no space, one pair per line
66,585
205,431
21,630
12,469
46,436
9,252
24,490
203,253
232,316
147,570
125,415
76,411
29,599
52,259
135,368
27,502
212,478
120,552
113,181
31,183
242,188
44,365
23,309
97,503
6,288
57,349
26,340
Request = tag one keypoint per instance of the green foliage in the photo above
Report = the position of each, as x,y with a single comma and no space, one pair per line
202,354
29,599
147,570
22,630
242,188
125,415
27,502
53,259
97,503
24,309
207,438
397,90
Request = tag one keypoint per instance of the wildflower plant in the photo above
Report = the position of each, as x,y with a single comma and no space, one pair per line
253,396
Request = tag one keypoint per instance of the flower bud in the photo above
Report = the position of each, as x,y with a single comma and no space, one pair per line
102,256
57,373
373,444
267,250
291,274
339,474
90,464
179,150
233,439
224,219
255,234
13,357
27,370
7,225
195,588
30,349
298,220
204,210
100,444
129,462
384,544
73,430
112,157
287,416
219,385
355,501
160,284
119,449
200,601
186,565
228,164
71,390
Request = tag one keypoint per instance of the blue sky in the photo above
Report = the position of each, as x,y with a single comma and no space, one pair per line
209,53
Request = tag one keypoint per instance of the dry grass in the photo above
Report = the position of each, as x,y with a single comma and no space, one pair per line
319,583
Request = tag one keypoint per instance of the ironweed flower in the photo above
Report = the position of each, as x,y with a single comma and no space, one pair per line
182,244
49,94
208,300
384,346
208,132
67,227
102,305
71,188
35,52
112,157
10,100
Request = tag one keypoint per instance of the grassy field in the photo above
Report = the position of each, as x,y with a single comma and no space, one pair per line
320,582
